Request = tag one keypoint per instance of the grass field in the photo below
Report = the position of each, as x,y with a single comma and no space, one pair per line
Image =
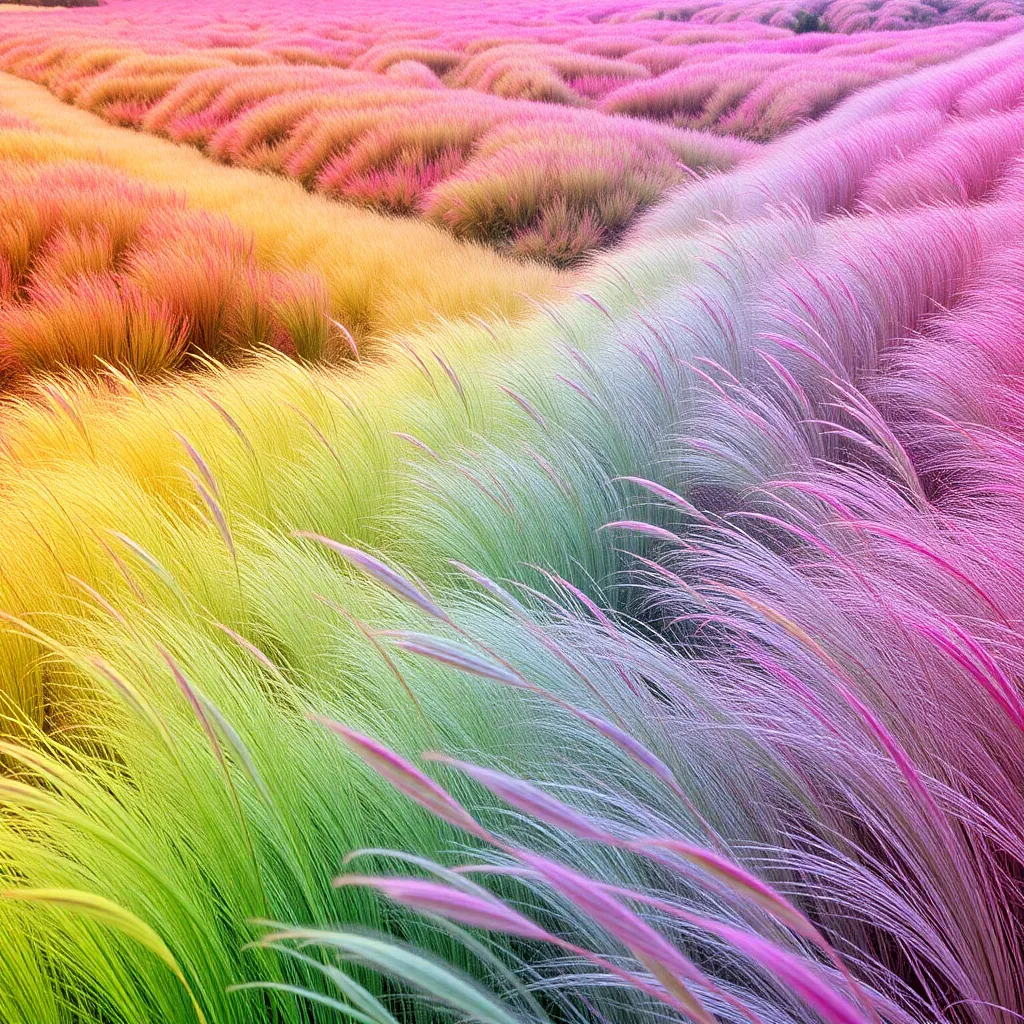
506,129
399,630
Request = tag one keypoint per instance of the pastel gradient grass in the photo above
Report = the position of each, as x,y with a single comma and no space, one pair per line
766,538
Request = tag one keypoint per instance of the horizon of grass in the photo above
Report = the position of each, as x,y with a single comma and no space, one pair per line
514,141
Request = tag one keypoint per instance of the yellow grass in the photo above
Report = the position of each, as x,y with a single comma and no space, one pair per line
383,275
83,460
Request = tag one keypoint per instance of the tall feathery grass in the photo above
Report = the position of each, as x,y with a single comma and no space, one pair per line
712,554
802,707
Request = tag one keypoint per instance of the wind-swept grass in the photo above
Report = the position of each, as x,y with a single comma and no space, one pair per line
763,570
814,669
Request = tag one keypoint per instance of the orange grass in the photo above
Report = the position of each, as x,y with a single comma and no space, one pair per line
97,268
